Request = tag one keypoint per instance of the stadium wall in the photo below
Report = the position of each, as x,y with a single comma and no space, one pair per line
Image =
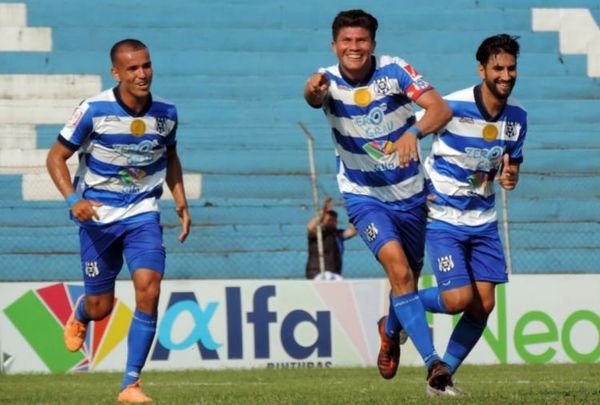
236,70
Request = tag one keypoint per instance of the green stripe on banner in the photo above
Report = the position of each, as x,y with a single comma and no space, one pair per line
43,333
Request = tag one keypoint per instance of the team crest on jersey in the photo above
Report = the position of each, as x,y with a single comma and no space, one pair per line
371,232
161,124
138,127
383,86
445,263
512,129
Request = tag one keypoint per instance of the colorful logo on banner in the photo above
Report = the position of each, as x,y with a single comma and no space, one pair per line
40,317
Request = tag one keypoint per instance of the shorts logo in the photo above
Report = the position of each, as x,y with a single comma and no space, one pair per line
371,232
445,263
91,269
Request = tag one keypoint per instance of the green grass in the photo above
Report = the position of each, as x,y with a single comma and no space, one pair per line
507,384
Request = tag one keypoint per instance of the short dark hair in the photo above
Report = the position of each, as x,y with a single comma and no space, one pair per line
133,44
354,18
333,213
497,44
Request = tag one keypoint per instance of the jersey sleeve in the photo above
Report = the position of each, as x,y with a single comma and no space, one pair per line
515,154
79,128
411,81
171,138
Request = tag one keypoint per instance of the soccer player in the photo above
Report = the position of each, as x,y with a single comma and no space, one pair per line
484,140
127,150
368,103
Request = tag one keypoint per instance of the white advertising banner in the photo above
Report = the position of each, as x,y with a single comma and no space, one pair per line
291,324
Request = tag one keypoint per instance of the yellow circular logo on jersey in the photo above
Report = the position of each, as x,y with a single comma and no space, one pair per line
490,132
362,97
138,127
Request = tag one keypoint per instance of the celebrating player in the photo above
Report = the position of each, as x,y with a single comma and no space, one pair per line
127,150
367,101
483,139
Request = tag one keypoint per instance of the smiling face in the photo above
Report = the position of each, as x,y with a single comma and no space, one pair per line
499,75
353,47
133,70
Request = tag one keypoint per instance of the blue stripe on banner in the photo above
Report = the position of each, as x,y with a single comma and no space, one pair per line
382,178
472,203
108,170
114,199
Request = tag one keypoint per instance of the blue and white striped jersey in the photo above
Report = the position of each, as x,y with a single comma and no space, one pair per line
366,119
465,157
122,155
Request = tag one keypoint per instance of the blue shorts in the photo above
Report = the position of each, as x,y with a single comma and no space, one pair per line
458,259
378,224
102,249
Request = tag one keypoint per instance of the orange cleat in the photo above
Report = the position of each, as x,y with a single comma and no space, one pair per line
133,394
74,332
389,352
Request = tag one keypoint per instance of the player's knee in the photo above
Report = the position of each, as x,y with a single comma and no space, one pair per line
457,300
98,309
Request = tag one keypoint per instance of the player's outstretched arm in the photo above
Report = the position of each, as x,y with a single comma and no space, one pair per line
56,163
175,183
315,89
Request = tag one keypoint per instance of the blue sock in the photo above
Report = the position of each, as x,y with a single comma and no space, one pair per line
467,332
432,300
80,313
392,325
411,314
139,340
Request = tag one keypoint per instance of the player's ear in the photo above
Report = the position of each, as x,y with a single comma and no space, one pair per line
115,74
481,71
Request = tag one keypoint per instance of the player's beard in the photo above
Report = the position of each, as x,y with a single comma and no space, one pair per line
499,94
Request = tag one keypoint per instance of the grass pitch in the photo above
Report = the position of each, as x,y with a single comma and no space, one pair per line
505,384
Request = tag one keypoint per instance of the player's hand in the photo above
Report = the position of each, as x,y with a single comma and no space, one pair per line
407,148
510,174
186,222
84,210
316,88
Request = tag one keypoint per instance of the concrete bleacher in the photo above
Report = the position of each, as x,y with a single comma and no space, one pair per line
236,69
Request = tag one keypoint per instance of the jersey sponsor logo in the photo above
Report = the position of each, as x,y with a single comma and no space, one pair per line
466,120
373,124
362,97
112,118
490,132
483,159
378,149
445,263
137,153
138,127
